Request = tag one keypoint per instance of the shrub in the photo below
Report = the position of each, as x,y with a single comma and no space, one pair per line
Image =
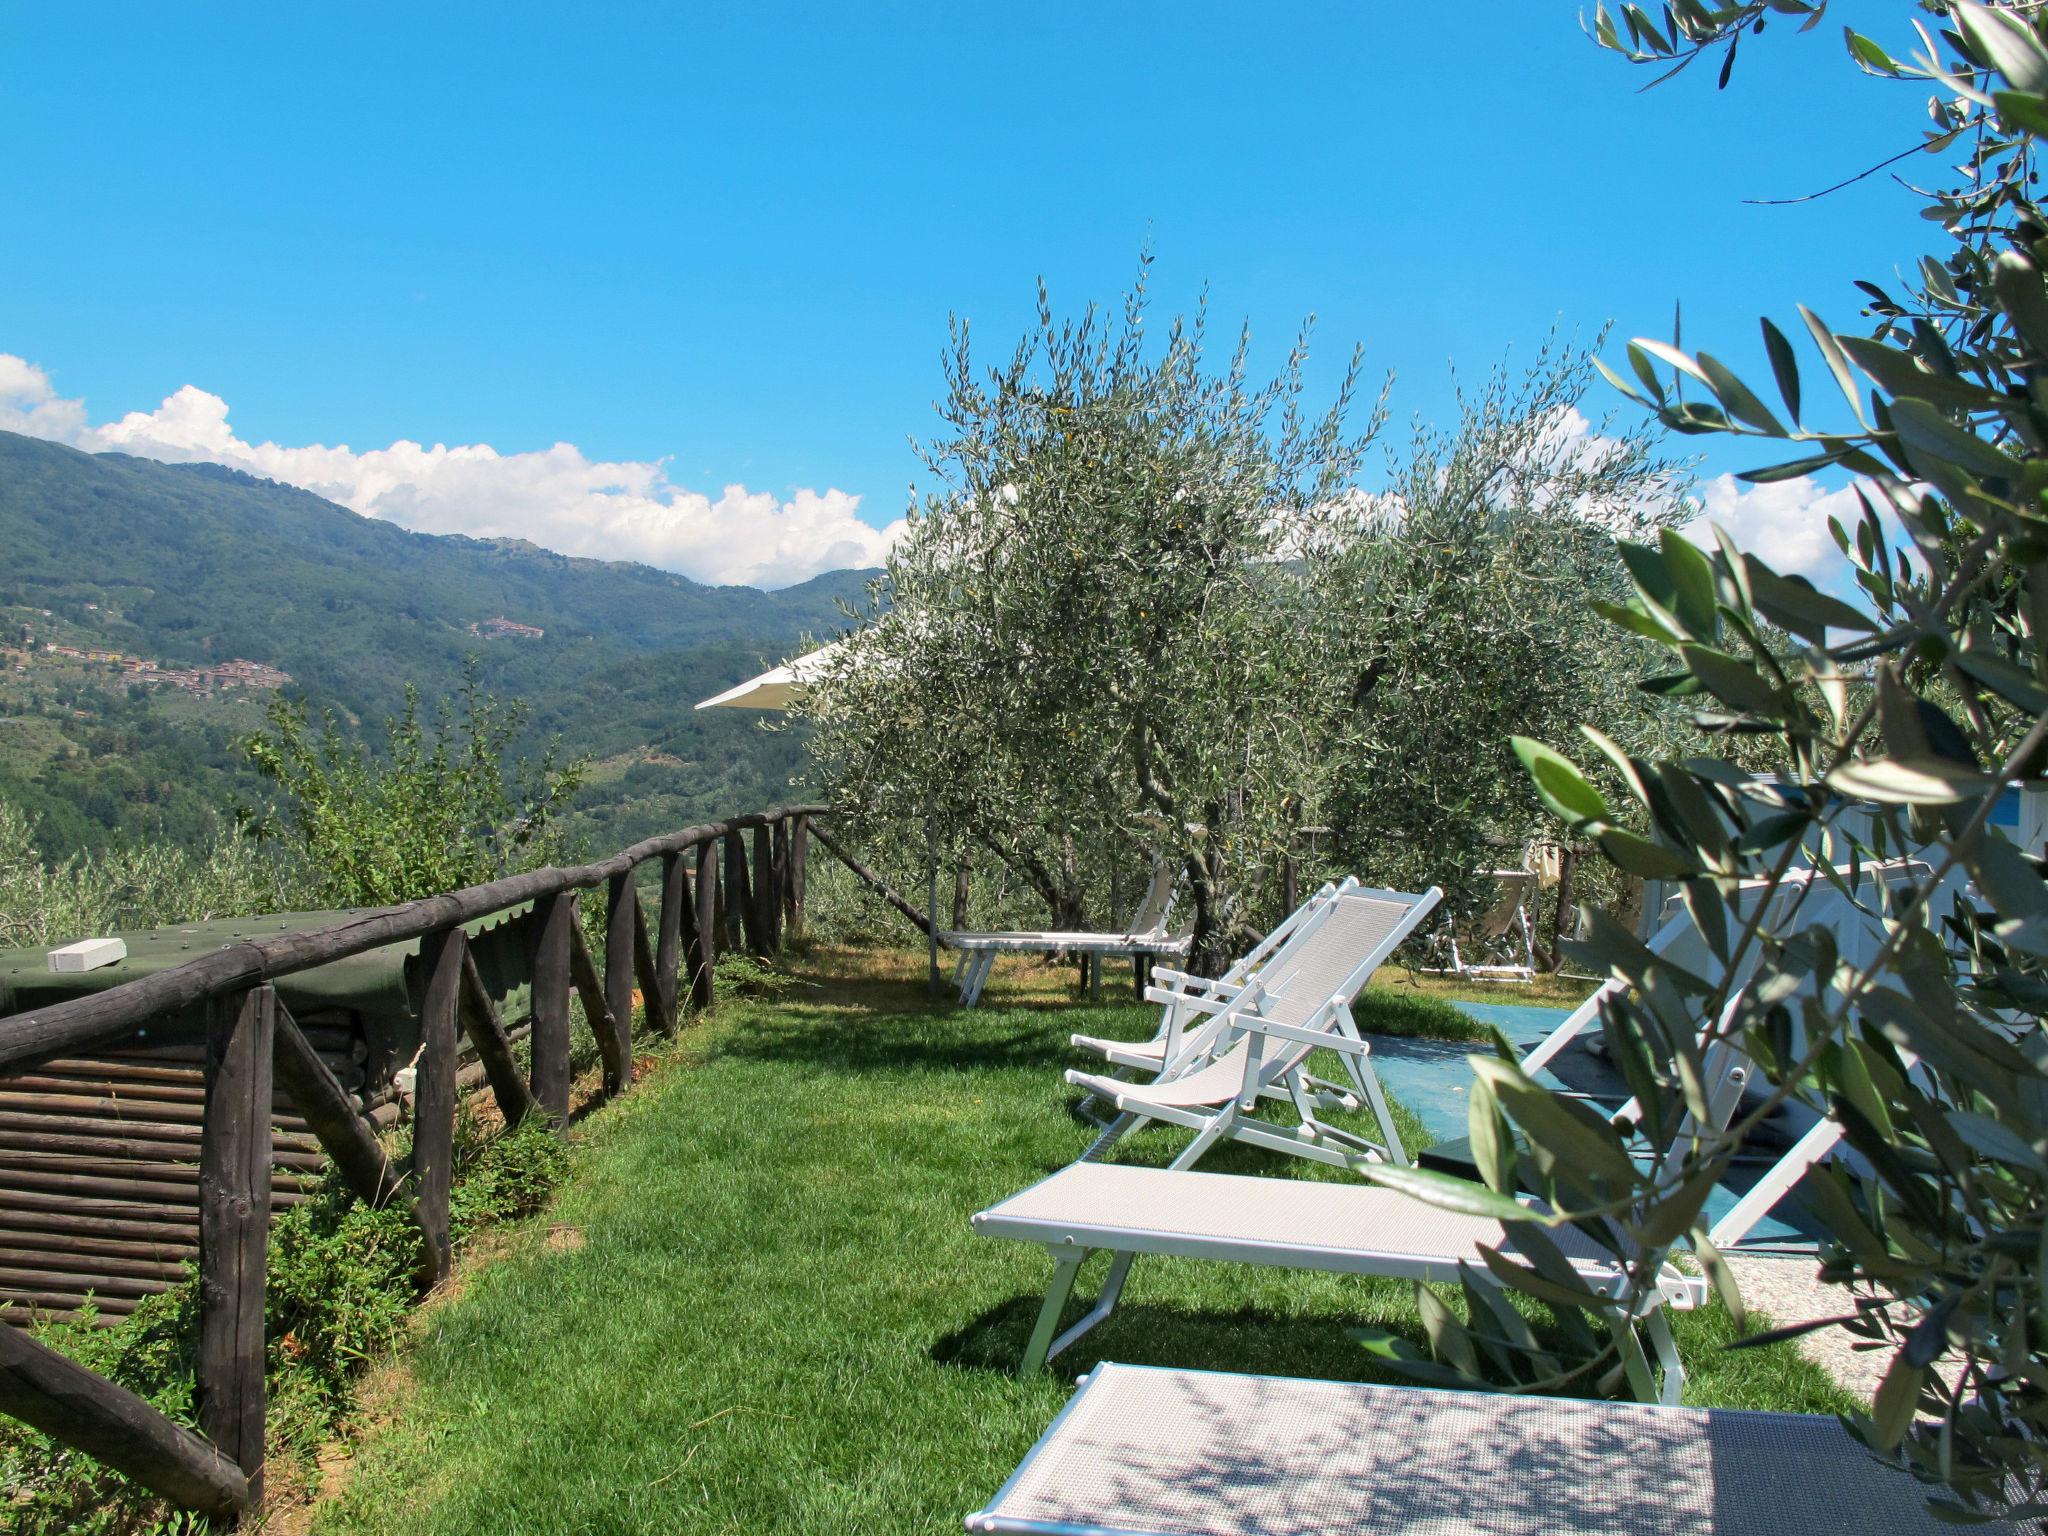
340,1287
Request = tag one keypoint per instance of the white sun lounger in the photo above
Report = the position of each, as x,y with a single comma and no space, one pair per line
1260,1036
1145,936
1140,1451
1352,1229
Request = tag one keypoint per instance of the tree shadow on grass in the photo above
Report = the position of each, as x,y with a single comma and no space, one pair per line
851,1039
1248,1339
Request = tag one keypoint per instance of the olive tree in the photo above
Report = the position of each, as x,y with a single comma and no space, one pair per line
1457,606
1902,721
1092,634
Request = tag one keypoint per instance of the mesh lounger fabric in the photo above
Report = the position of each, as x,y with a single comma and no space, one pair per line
1205,1087
1297,1223
1325,962
1148,1452
1296,983
1042,941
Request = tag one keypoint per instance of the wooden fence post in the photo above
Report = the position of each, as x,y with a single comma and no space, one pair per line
705,954
433,1103
622,906
549,1042
347,1137
780,899
234,1226
736,902
767,895
799,859
668,948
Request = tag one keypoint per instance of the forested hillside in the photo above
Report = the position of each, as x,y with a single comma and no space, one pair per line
141,572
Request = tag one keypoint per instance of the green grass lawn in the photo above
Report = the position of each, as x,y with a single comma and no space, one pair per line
758,1307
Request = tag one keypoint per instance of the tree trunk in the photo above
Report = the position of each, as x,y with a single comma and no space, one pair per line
960,899
1064,902
1550,953
1208,950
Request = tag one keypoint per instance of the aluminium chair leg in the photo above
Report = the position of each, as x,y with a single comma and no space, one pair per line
1105,1303
1208,1136
1658,1327
1369,1084
1066,1264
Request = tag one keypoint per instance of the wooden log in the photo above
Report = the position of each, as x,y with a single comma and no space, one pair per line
732,932
645,971
286,1189
170,1133
22,1204
591,989
73,1278
191,1090
328,1039
765,937
103,1271
84,1228
112,1425
550,1049
122,1158
103,1019
493,1045
705,954
171,1172
234,1226
675,918
16,1239
874,881
117,1111
799,868
348,1138
64,1304
779,896
433,1105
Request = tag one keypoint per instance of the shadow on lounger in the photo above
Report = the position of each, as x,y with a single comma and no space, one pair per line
1250,1339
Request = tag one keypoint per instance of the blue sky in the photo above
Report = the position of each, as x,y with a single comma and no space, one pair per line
717,246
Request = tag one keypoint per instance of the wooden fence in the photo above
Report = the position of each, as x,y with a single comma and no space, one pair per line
253,1046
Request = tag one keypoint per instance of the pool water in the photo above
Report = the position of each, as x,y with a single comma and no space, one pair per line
1434,1079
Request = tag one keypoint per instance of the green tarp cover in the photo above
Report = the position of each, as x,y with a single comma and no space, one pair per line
381,984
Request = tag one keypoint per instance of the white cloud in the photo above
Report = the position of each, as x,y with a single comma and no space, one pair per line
555,497
1784,524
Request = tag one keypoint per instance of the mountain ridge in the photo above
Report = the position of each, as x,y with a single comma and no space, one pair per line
192,564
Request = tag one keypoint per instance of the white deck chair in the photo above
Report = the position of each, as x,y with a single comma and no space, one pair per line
1298,1001
1145,936
1143,1451
1507,919
1190,996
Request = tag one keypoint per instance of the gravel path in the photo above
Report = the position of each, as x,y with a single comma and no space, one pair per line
1789,1290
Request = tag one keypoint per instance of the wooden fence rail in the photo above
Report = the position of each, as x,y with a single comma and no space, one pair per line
252,1042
